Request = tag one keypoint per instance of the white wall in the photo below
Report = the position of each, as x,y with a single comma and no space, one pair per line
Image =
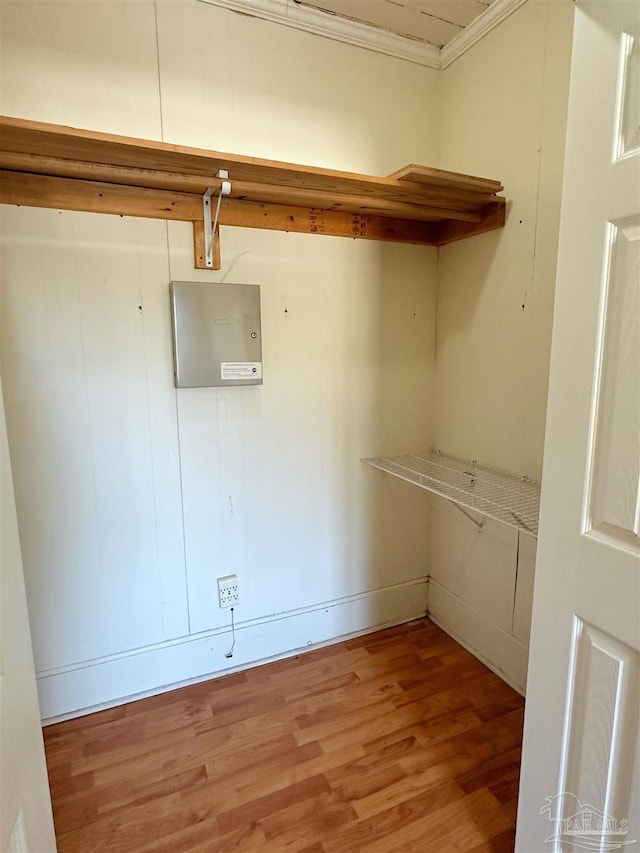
503,115
26,822
133,498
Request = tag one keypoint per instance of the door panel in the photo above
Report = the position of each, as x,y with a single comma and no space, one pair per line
614,470
580,777
602,721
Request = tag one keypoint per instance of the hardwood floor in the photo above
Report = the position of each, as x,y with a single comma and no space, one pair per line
397,741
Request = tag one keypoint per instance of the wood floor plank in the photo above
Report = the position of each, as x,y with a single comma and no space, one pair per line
385,825
385,722
202,837
320,668
305,823
359,785
267,805
76,811
410,785
482,818
173,753
264,784
395,741
503,842
124,831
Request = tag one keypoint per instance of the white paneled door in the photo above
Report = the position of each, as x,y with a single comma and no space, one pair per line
580,785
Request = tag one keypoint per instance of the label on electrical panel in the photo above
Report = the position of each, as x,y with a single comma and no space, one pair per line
231,370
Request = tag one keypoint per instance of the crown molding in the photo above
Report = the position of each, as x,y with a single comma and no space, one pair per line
477,29
338,28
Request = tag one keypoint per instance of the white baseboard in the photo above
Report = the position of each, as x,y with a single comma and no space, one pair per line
94,685
503,653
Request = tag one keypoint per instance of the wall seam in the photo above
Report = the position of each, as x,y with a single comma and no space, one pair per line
175,390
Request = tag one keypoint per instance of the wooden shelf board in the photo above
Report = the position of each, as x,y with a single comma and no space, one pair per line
53,166
242,190
95,197
439,178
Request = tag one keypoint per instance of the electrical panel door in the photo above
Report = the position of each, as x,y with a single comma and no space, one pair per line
217,339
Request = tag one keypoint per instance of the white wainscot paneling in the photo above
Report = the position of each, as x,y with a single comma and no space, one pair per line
472,589
500,651
478,566
86,358
112,681
273,486
213,484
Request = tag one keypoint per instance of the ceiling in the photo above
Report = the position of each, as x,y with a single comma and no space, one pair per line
428,32
433,21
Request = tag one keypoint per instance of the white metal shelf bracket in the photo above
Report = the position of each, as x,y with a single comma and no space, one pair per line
211,225
478,524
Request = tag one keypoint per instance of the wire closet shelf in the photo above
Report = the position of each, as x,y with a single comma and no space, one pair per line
503,497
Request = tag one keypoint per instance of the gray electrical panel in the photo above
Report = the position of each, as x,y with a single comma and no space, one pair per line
216,334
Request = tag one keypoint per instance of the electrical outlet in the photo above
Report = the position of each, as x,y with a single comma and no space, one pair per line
228,594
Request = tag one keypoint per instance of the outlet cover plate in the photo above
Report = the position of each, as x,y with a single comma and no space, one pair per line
228,593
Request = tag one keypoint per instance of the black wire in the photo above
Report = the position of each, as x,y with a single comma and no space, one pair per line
229,654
